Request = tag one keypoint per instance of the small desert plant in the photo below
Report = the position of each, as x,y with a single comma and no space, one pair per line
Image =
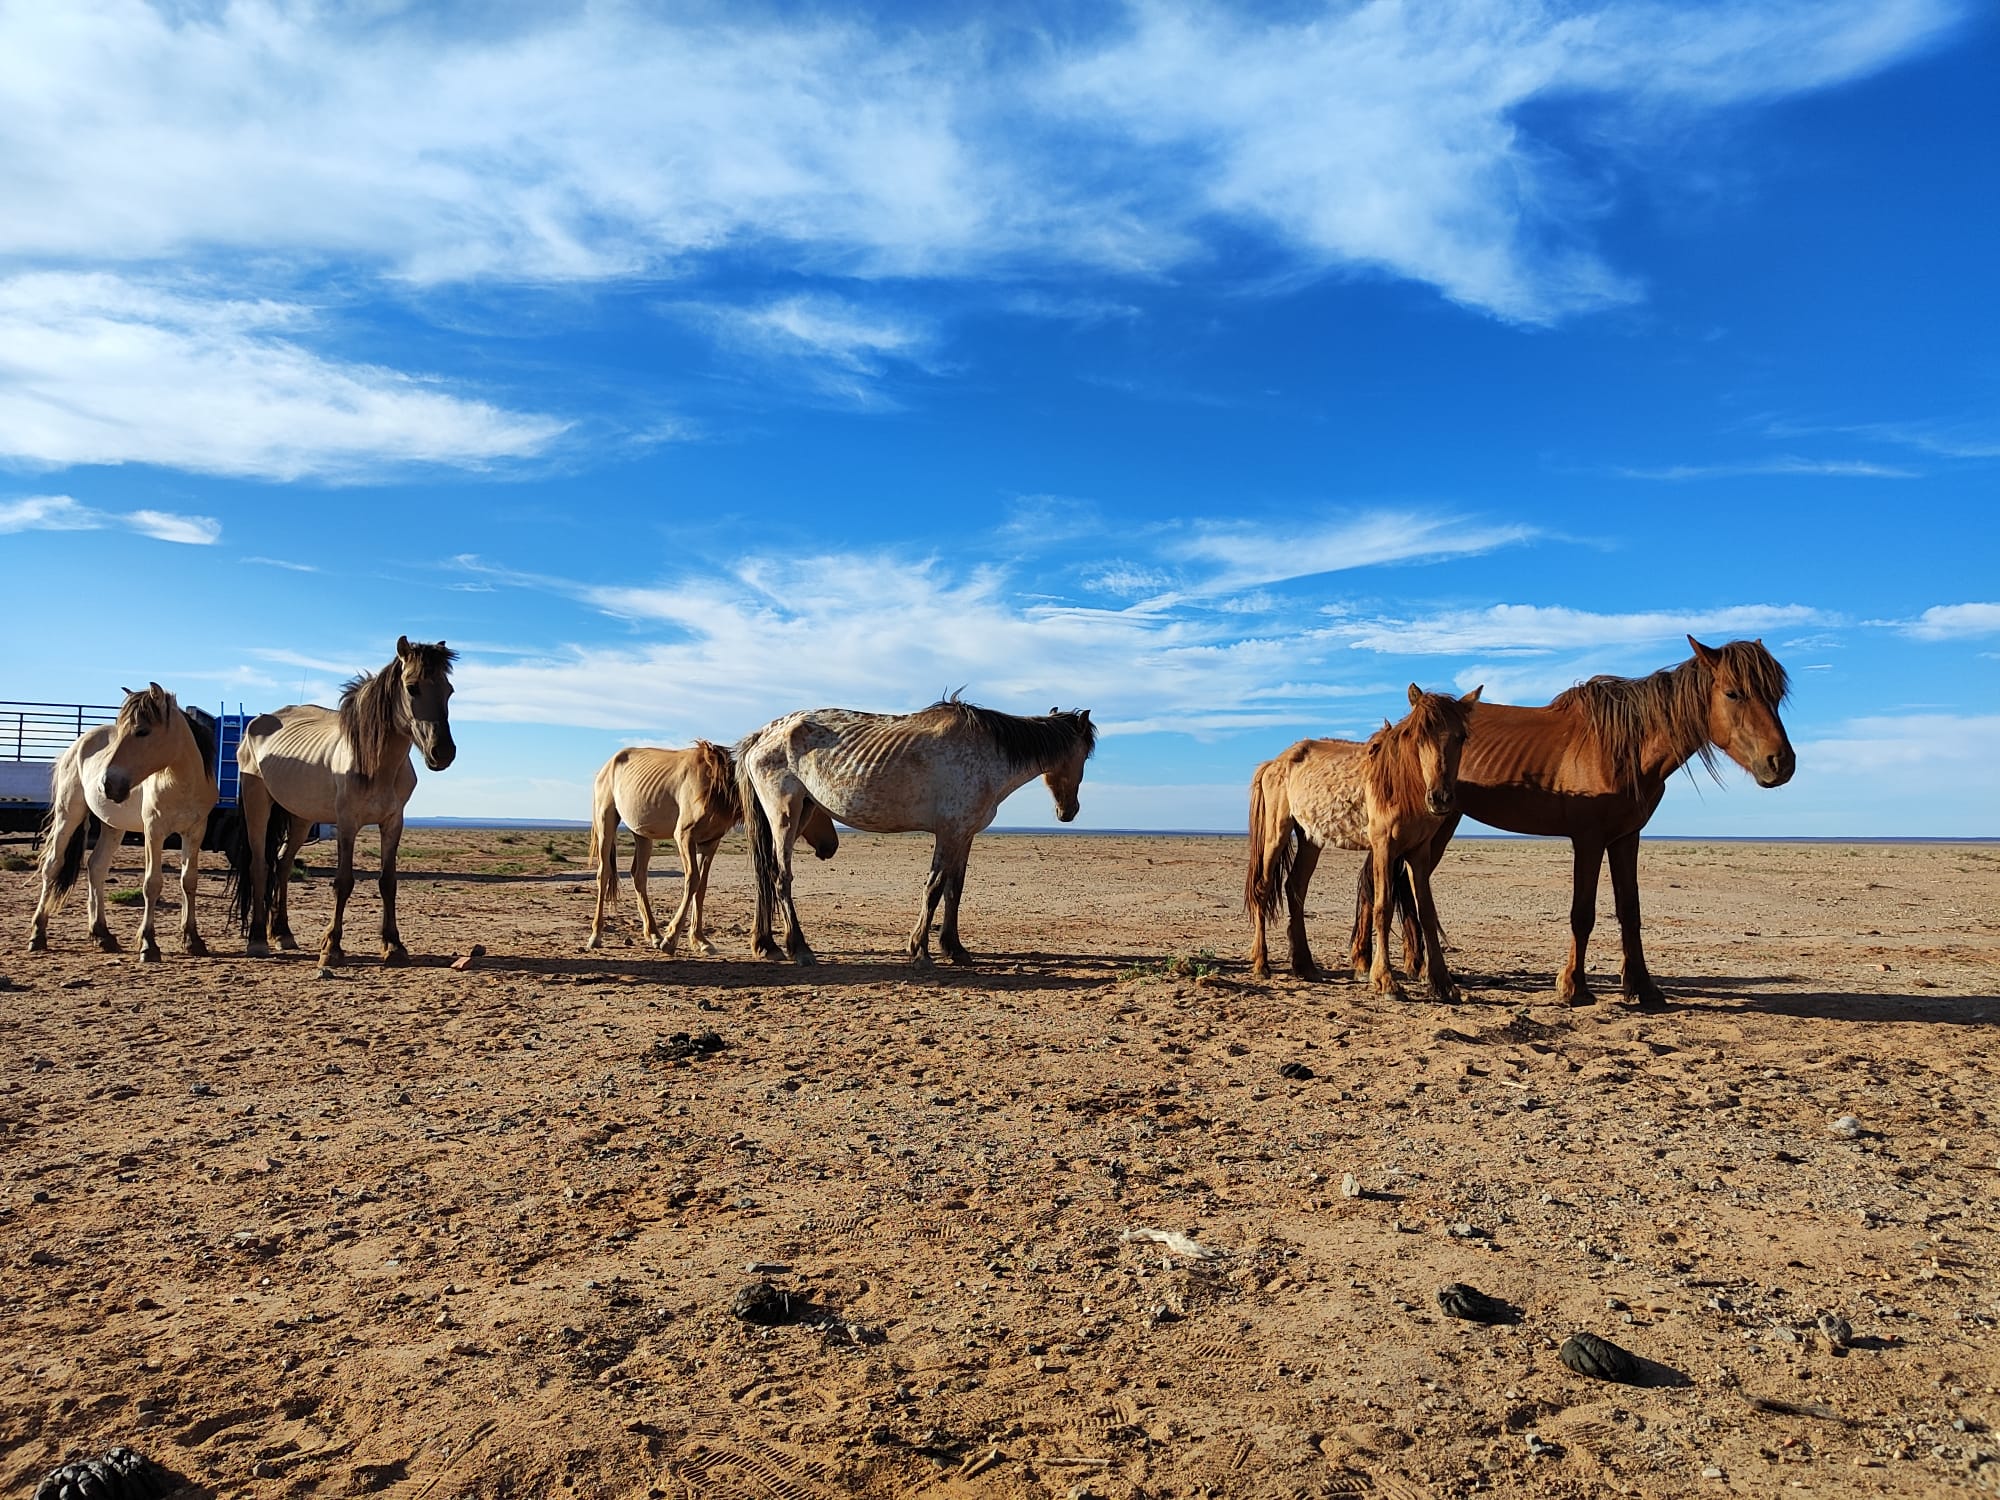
126,898
1200,964
15,863
549,848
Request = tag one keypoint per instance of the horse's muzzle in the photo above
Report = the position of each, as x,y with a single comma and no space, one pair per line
1067,814
1440,803
117,785
440,757
1777,769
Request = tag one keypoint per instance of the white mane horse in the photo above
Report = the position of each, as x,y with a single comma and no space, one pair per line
349,767
167,755
944,770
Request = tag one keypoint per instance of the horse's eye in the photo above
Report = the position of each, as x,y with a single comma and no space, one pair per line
1732,697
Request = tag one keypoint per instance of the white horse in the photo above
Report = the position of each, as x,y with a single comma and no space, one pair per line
944,771
688,796
165,753
349,767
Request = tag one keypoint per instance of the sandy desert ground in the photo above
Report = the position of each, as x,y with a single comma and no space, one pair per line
437,1232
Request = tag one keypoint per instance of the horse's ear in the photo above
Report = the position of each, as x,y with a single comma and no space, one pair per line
1473,696
156,690
1708,654
402,646
1055,710
1416,695
1086,716
1374,747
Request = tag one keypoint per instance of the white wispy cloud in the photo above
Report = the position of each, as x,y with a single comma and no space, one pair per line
1786,465
1907,742
279,562
62,513
612,140
1951,622
1247,553
837,346
1522,629
99,369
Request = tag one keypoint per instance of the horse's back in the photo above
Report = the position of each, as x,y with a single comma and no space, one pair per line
1326,784
1534,770
302,757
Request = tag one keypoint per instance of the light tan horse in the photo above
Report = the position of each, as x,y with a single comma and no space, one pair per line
1387,795
1593,765
689,796
166,754
349,767
944,770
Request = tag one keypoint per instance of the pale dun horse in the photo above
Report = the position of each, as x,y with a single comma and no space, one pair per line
944,771
1387,795
350,767
688,796
164,753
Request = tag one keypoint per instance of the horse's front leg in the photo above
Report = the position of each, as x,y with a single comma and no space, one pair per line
954,891
1634,979
935,885
684,846
393,951
330,951
156,880
1381,978
1586,859
191,942
106,849
1362,942
1431,936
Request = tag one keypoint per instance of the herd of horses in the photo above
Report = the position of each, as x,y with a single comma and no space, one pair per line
1591,766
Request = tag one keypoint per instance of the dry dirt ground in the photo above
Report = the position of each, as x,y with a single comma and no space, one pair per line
437,1232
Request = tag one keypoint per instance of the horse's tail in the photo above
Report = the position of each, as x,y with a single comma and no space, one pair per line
1271,846
233,838
71,863
763,843
1402,896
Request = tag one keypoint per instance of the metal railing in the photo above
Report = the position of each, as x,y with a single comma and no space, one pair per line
42,731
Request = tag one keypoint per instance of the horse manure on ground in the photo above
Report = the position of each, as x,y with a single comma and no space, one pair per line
760,1302
121,1474
1462,1301
681,1046
1599,1358
1297,1070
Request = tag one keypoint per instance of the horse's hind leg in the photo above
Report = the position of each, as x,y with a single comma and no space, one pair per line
642,865
1586,859
606,841
1304,862
691,873
1436,972
191,942
296,831
796,945
108,840
393,951
704,855
253,801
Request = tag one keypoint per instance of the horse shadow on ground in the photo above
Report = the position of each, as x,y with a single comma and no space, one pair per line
1768,995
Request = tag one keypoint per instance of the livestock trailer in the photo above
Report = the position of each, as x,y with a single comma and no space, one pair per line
34,735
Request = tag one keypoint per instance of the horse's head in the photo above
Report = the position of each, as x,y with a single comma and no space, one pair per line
1745,687
427,694
1435,730
1065,775
140,743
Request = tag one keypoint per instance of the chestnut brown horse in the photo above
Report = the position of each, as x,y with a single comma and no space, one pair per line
688,796
1388,795
1592,766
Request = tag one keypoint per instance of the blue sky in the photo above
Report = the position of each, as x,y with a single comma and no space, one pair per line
1221,369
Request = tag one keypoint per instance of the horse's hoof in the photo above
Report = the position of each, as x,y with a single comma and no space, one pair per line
195,947
38,944
1577,999
1654,1001
1309,971
959,956
804,957
704,947
288,942
106,943
1260,971
1392,990
1448,995
256,949
767,950
149,954
332,958
394,956
920,958
592,943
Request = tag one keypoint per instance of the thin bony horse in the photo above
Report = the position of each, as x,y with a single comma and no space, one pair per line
944,770
152,770
689,796
350,767
1592,766
1388,795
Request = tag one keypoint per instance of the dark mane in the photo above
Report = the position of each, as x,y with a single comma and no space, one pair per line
1620,713
201,724
1039,741
373,709
1396,771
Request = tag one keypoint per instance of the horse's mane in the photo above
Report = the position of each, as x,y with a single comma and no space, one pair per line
715,769
1396,771
373,710
1619,713
1038,741
201,724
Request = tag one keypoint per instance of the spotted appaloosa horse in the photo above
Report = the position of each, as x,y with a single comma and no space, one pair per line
944,770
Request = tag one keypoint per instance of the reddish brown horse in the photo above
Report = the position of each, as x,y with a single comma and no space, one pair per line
1592,766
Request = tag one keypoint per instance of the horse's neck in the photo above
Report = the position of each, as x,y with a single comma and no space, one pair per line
396,740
